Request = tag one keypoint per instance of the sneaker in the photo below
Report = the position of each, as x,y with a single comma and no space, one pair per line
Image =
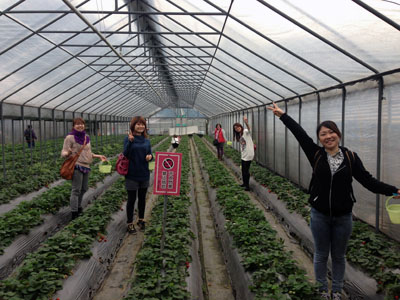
325,295
141,225
243,185
131,228
337,296
247,188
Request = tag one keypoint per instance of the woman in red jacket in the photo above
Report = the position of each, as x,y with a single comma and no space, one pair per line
219,135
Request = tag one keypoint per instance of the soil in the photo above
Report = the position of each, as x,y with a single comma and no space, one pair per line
217,283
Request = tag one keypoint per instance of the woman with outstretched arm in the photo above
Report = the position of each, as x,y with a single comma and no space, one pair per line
331,196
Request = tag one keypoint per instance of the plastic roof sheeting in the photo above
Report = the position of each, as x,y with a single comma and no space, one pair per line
137,57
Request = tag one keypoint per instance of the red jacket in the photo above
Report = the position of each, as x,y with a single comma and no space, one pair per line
219,134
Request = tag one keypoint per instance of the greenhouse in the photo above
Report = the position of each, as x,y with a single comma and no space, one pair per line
199,149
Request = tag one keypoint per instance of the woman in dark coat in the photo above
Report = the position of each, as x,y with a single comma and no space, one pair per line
331,197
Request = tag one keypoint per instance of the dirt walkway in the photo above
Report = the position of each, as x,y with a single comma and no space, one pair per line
116,284
217,283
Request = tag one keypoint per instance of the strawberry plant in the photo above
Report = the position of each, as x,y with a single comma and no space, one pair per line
373,252
274,273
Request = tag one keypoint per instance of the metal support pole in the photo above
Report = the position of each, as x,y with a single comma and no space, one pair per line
266,138
13,142
286,146
164,221
23,136
344,94
273,144
3,139
54,135
379,146
95,126
299,150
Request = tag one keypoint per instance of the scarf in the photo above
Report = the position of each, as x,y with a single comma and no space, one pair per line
79,136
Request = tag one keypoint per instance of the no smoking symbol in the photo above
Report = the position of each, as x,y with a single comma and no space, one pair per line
168,163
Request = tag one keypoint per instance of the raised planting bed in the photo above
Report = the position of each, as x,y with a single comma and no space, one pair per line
164,275
89,274
19,230
373,258
259,266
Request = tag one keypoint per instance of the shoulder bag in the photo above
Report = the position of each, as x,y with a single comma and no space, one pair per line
122,165
68,166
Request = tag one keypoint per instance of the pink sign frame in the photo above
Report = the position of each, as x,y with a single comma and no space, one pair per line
167,173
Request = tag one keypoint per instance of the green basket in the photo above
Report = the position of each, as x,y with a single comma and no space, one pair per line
105,167
393,211
152,165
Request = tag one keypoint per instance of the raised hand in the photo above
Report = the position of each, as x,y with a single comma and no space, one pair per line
276,110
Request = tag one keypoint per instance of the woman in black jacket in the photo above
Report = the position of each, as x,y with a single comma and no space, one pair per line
331,197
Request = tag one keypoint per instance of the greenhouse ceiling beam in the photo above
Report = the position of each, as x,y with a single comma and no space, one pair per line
33,32
131,46
11,7
96,98
111,47
277,44
227,65
232,86
229,54
149,64
85,65
49,71
377,14
318,36
96,72
207,110
349,83
216,46
134,111
49,50
114,12
141,56
131,32
79,92
216,101
257,55
338,86
228,93
119,104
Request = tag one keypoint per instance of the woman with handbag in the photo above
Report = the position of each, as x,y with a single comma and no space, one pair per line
137,149
78,143
243,136
219,138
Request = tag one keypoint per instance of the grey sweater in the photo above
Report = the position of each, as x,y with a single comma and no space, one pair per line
71,147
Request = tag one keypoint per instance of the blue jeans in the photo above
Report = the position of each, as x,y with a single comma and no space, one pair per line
331,234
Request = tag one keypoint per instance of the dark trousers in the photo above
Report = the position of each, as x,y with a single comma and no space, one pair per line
220,150
246,172
130,205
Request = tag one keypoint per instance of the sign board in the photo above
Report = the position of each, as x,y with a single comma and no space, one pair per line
167,173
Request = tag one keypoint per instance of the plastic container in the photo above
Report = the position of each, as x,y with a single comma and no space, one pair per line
105,167
393,211
152,165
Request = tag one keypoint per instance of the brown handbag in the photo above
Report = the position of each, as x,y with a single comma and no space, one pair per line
68,166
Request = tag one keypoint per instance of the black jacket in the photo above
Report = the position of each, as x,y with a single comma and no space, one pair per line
333,195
